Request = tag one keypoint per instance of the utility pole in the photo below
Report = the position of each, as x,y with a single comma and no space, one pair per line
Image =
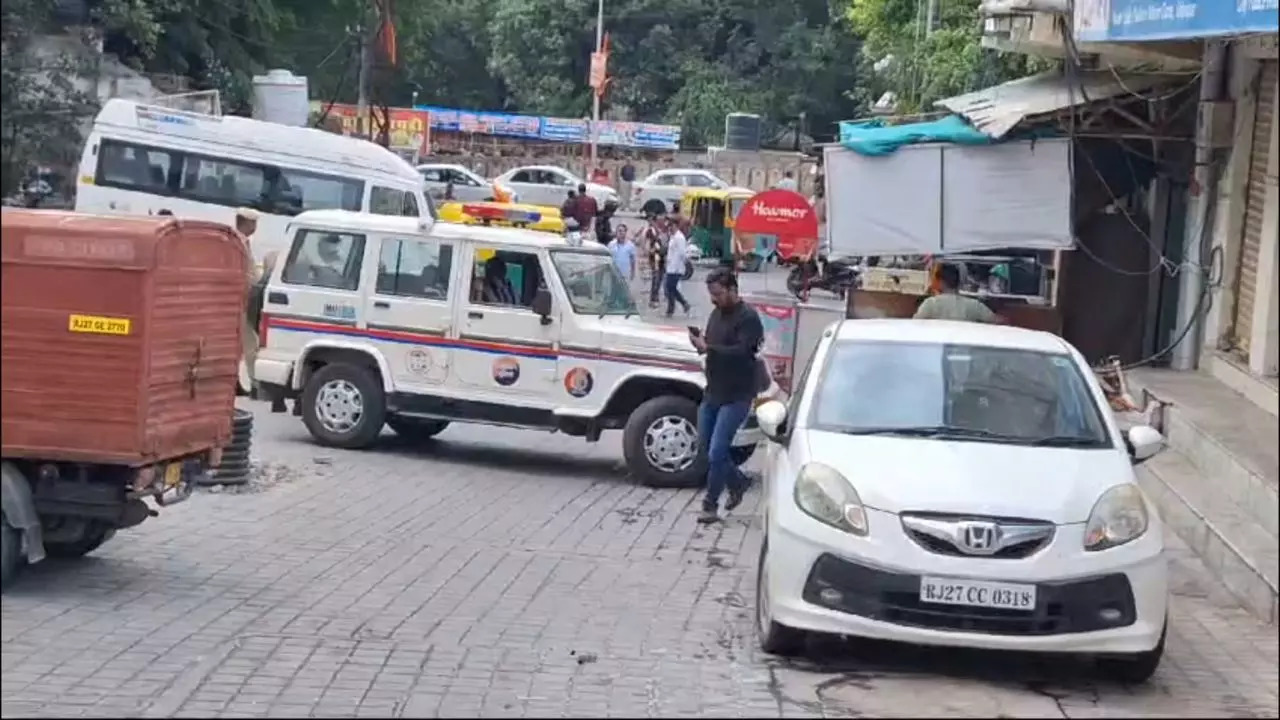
595,96
364,118
930,17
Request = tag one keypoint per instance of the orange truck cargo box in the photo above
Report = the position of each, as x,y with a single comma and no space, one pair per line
120,336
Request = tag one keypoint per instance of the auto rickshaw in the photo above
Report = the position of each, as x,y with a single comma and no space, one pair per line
497,214
711,215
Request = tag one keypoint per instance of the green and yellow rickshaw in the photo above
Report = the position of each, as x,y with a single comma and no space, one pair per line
711,215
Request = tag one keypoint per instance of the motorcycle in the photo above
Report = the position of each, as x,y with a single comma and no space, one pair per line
834,276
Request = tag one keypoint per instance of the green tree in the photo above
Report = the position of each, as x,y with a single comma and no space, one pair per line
44,98
919,67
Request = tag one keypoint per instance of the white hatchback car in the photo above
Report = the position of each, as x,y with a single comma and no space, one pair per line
958,484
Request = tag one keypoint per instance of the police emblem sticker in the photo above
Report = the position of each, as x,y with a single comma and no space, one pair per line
578,382
420,362
506,371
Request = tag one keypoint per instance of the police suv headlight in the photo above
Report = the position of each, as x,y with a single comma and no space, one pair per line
1118,517
825,495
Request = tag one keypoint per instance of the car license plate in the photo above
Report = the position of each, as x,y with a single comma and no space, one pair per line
172,475
977,593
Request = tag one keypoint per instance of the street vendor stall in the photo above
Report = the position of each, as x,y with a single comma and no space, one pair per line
777,221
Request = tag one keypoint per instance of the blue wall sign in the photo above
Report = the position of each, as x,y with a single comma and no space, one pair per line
1145,20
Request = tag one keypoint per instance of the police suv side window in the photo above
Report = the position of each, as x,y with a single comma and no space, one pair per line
324,259
415,268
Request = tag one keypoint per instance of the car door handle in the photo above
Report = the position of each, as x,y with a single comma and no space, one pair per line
382,304
277,298
475,314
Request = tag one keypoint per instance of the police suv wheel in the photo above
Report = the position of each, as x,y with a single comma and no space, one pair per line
344,406
660,443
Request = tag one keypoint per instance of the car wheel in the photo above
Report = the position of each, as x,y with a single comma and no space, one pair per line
775,638
740,454
660,443
344,406
94,535
688,269
416,429
654,207
10,552
1134,668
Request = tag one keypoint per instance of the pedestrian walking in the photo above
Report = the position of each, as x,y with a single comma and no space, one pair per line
568,208
624,254
627,177
655,243
585,209
731,341
788,182
677,256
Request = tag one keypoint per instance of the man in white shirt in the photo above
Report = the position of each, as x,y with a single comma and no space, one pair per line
788,182
677,255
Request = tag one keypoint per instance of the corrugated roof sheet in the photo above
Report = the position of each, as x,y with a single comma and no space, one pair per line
999,109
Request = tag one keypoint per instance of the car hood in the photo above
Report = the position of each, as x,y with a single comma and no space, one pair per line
897,475
635,336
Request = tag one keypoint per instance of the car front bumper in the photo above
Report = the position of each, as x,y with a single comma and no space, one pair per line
824,580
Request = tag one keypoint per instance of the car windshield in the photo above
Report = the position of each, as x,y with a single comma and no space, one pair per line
594,285
957,392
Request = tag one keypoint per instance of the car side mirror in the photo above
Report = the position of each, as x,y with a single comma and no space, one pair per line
1143,442
542,305
772,417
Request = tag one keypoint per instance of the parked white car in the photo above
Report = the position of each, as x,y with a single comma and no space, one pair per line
467,185
550,185
662,190
958,484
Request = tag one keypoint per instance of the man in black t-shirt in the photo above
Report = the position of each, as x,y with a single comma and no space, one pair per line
733,336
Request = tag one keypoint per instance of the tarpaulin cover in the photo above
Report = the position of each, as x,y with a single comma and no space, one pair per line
873,137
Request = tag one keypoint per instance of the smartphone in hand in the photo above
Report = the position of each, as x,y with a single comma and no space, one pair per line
694,330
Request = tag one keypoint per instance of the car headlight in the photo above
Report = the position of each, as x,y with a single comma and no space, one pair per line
826,496
1119,516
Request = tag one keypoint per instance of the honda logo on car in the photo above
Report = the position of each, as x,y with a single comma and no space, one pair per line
979,538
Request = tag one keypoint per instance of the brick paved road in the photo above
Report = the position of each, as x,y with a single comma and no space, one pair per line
505,573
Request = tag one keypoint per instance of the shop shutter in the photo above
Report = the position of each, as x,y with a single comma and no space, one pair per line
1246,282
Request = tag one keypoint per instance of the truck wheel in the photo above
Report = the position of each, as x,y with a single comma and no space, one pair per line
660,443
416,429
343,406
92,539
10,552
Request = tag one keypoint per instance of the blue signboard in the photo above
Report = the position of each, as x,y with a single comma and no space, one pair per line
1139,20
564,130
567,130
483,123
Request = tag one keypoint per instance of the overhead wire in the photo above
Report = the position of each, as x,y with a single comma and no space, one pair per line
1212,257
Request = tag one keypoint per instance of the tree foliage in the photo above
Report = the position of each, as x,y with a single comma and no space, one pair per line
688,62
919,67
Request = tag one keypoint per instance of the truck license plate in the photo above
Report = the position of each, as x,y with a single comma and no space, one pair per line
172,475
978,593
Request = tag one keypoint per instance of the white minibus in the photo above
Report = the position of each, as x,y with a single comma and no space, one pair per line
142,160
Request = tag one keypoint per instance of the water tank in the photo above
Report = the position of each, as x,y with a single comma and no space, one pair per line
281,97
742,132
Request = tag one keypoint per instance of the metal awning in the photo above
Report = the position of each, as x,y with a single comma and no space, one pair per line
1026,101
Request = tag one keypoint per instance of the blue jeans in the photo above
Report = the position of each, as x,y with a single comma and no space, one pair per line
717,424
673,293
